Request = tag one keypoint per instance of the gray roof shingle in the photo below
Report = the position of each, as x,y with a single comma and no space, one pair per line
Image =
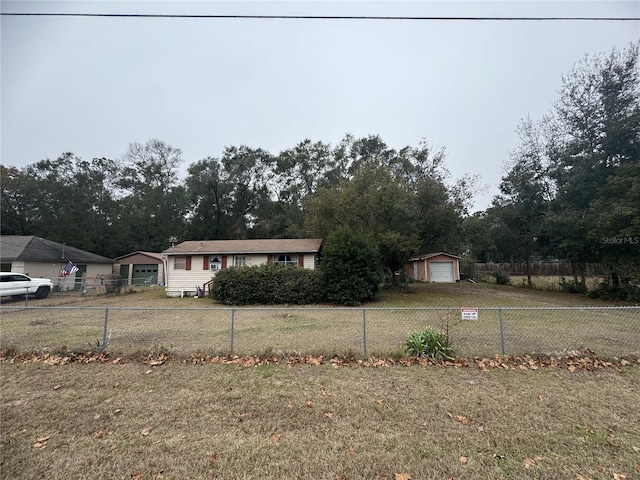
30,247
277,245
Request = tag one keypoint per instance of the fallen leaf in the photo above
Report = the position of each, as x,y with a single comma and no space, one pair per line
572,368
96,416
403,476
351,451
582,477
145,432
41,442
328,415
636,449
600,469
637,467
463,420
464,460
159,476
99,434
148,372
275,438
136,476
619,476
309,404
379,402
116,385
57,387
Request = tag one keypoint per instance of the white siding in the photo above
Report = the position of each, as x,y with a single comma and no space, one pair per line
187,281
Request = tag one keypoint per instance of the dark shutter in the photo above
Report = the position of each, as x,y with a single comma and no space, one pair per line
301,259
205,262
224,262
188,262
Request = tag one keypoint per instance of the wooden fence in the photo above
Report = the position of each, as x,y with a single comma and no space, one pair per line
541,268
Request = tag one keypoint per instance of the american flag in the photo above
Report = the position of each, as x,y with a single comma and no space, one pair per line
68,269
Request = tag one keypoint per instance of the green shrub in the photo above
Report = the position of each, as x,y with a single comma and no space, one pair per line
572,286
429,343
351,268
624,292
502,278
468,268
267,285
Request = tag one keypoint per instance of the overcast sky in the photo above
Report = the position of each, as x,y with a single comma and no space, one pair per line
92,86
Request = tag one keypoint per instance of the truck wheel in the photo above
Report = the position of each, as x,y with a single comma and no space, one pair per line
42,292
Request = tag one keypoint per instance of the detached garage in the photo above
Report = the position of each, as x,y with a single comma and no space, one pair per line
140,268
434,267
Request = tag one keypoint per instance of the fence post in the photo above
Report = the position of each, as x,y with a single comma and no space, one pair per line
104,330
364,330
501,331
233,319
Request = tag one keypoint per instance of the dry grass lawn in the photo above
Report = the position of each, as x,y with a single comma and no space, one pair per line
186,421
150,321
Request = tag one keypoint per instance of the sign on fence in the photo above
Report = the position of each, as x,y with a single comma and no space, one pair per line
469,313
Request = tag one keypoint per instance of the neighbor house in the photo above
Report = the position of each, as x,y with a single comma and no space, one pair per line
38,257
140,268
192,265
434,267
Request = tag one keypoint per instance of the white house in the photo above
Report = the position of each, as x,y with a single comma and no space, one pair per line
193,264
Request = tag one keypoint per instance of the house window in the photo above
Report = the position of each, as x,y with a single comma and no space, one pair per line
286,260
215,263
239,261
180,263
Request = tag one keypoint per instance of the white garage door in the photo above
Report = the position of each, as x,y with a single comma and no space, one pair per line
441,271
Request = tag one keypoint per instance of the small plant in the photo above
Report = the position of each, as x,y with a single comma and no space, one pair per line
501,278
429,343
100,346
97,346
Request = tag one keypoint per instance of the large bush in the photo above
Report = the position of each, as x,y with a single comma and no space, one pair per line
267,285
351,268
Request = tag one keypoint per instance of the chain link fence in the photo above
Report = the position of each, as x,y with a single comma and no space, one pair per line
605,331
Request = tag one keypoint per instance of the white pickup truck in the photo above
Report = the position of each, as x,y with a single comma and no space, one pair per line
16,285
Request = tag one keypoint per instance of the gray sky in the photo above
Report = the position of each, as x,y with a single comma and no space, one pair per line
91,86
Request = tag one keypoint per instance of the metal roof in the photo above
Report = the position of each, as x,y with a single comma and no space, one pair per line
276,245
32,248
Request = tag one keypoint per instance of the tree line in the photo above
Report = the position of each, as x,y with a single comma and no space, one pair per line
572,187
403,199
570,191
